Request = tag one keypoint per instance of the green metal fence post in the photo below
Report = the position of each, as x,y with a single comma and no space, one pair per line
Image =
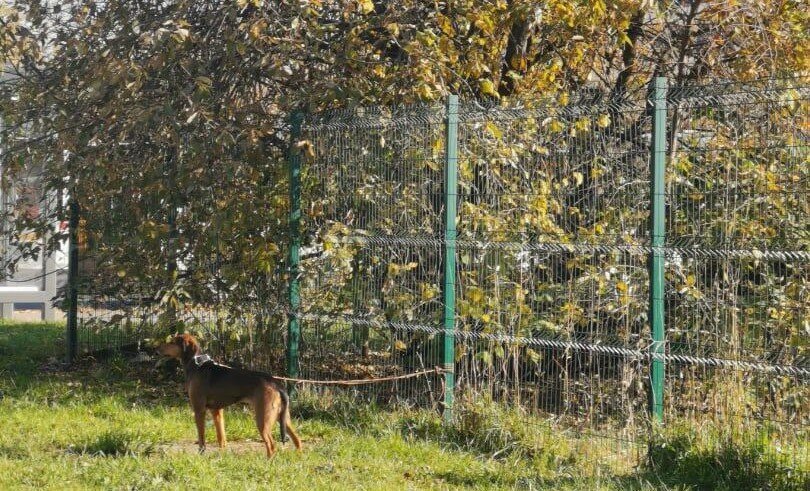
449,287
293,326
657,202
73,282
170,171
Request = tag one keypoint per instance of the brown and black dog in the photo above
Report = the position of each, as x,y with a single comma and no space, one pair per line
213,387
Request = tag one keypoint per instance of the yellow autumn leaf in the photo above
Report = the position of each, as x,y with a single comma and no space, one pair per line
393,28
366,6
494,130
475,295
621,286
445,24
487,87
579,178
202,81
424,91
555,126
306,147
395,269
258,28
400,346
603,121
582,124
379,71
433,165
428,292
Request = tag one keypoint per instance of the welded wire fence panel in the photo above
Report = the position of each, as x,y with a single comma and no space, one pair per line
738,262
552,277
370,292
553,253
114,313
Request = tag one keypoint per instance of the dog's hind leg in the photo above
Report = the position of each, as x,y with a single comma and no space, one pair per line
290,430
219,424
264,423
199,419
284,419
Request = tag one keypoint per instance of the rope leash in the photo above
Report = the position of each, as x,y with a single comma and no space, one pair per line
367,381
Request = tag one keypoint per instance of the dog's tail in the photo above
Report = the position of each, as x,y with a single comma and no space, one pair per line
285,412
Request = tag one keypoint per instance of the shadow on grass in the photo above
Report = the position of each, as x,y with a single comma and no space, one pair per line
31,366
114,444
14,452
680,459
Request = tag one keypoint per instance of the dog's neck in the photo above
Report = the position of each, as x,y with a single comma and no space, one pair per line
189,364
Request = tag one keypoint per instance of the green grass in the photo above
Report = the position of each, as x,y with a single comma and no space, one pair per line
122,425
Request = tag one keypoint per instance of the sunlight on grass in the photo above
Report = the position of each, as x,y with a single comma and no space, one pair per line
126,425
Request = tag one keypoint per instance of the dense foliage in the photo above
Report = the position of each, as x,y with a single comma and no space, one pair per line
167,120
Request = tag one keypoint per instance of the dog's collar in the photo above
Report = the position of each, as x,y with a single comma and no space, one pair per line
201,360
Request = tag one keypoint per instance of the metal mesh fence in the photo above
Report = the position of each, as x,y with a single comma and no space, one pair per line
555,252
371,300
738,231
552,277
250,334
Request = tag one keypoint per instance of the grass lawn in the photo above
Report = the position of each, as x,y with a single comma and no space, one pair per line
127,425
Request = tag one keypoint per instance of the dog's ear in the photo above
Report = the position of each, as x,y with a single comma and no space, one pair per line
188,343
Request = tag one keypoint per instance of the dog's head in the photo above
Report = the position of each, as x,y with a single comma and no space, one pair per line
180,346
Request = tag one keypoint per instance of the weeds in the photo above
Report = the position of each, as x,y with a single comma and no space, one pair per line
712,459
115,444
683,457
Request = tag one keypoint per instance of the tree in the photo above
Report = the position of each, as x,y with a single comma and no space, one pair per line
167,120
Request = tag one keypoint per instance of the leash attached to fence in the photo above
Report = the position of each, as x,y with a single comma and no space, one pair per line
348,383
